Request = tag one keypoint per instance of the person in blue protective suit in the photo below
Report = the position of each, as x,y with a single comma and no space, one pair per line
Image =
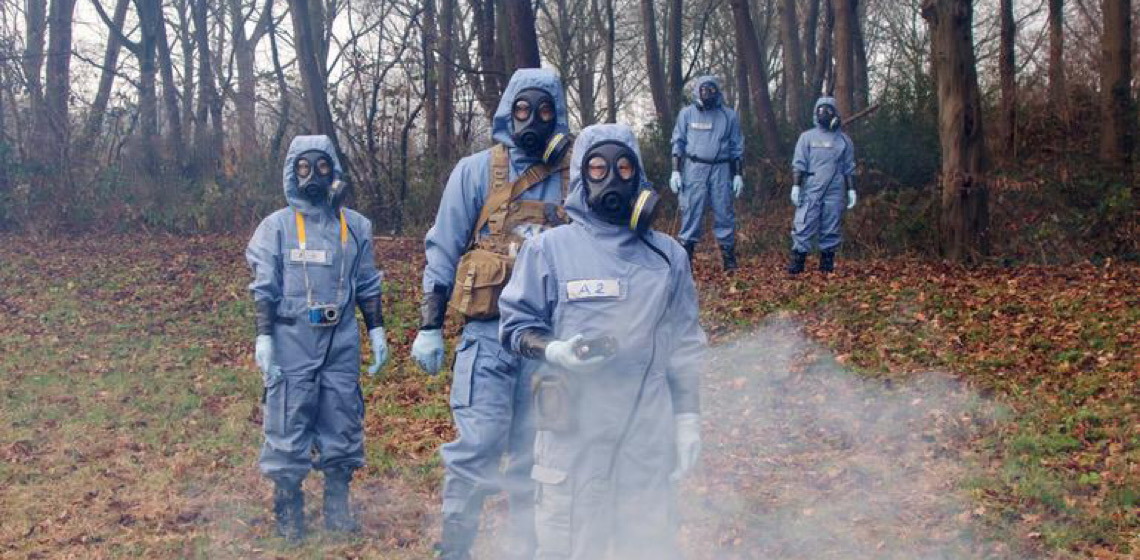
312,263
610,308
493,201
707,165
823,169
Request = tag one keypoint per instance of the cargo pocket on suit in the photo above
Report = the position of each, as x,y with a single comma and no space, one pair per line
554,510
275,401
463,372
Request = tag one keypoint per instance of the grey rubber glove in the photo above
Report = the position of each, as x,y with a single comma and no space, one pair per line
796,196
427,350
737,186
379,350
561,353
263,352
850,198
675,182
688,443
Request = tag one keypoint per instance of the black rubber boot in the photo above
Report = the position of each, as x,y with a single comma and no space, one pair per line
338,517
289,509
728,255
690,248
796,265
827,261
457,537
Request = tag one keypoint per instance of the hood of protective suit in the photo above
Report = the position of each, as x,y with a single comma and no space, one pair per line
825,100
522,79
576,205
705,80
298,146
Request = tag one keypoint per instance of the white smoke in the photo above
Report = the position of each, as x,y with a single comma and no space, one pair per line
805,459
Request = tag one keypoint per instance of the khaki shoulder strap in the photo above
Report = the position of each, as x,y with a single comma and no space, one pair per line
503,192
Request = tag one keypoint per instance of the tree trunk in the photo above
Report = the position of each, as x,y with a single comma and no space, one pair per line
311,68
186,38
446,112
107,76
489,84
57,86
859,58
520,22
207,140
965,211
606,20
845,56
1057,57
1008,119
1118,115
823,58
245,102
743,91
169,88
757,76
275,143
657,86
793,63
586,94
675,37
35,21
431,95
811,26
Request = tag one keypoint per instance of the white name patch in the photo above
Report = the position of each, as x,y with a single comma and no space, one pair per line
310,256
701,125
821,144
609,288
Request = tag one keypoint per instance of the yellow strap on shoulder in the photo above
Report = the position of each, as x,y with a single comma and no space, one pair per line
343,229
300,229
641,199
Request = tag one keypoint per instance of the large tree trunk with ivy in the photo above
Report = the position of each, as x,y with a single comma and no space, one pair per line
965,211
1118,115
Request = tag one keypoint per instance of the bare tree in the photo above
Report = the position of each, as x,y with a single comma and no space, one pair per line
446,111
793,62
208,132
605,19
1057,56
675,38
1118,113
845,24
965,209
307,33
522,35
57,85
169,87
657,86
1008,81
150,19
431,91
245,102
757,76
862,80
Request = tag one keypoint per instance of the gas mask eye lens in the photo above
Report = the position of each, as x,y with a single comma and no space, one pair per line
597,168
303,169
546,112
625,168
324,167
522,110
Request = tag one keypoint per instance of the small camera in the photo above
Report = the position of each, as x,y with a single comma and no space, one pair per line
324,315
605,346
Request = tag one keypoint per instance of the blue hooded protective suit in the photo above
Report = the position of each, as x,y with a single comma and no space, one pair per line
710,135
316,399
490,386
825,158
606,481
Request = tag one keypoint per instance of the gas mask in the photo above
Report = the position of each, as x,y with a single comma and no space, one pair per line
612,177
534,118
317,179
827,117
709,95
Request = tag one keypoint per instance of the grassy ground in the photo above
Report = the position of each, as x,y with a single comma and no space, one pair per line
129,417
